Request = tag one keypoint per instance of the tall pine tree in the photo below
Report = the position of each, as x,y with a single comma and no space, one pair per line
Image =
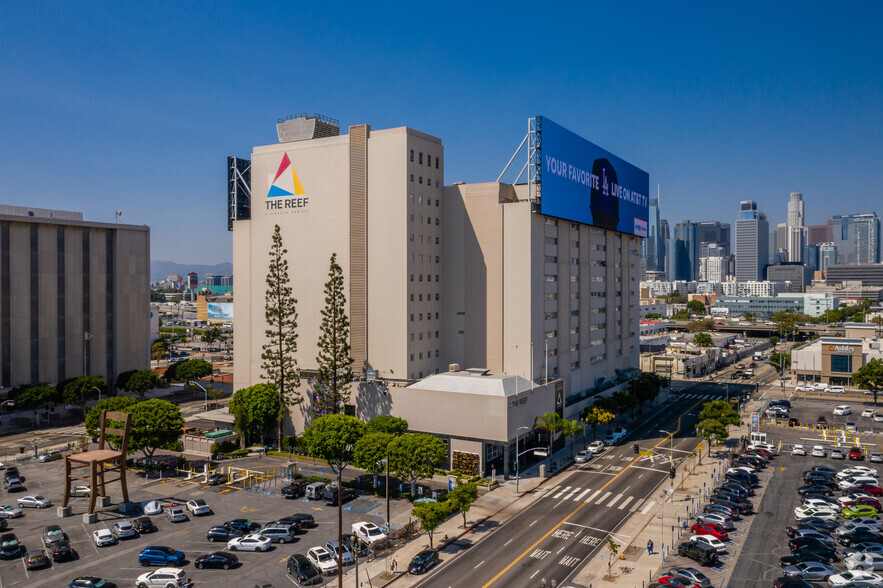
334,361
279,364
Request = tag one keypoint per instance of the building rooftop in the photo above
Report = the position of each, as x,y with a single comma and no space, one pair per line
478,382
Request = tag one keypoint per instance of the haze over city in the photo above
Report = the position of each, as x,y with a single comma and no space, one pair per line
108,107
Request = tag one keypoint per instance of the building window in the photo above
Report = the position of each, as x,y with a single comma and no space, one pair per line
412,357
420,180
574,312
551,241
436,200
412,177
412,277
436,240
552,353
551,278
436,259
436,163
412,318
412,159
436,334
574,261
436,316
420,219
436,354
411,217
600,341
574,278
420,356
420,297
411,238
551,315
436,277
419,258
412,298
841,364
420,158
420,276
420,317
551,334
436,221
551,221
551,296
574,347
574,365
574,295
551,259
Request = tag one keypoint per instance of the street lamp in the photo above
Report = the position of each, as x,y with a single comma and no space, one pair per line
671,465
518,455
99,392
194,383
671,450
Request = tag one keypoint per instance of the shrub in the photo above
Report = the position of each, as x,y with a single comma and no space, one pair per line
215,449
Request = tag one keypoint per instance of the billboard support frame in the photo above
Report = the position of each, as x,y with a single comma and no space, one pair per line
535,159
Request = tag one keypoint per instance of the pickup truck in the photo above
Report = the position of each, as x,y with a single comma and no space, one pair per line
615,436
369,532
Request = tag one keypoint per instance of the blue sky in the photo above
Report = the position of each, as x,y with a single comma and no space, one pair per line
135,106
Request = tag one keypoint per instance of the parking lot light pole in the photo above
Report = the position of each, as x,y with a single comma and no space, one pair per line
99,392
195,383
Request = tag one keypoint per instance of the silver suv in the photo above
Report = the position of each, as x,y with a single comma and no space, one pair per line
280,533
163,578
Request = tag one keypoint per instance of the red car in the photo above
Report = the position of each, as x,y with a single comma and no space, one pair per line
871,489
675,582
856,454
715,531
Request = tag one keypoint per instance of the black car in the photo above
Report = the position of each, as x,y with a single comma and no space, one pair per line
734,490
423,561
731,496
821,551
303,570
90,582
346,494
12,472
61,551
750,479
294,490
786,582
9,546
829,484
244,525
791,531
790,560
817,475
4,524
741,486
792,422
824,470
701,553
144,525
854,537
223,533
741,507
814,489
820,523
306,520
732,513
216,479
799,542
216,559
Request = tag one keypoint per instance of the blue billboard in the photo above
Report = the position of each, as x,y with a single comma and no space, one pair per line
586,184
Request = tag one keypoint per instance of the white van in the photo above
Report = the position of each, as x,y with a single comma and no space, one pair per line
315,490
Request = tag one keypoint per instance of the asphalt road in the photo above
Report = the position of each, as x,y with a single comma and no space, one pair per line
570,523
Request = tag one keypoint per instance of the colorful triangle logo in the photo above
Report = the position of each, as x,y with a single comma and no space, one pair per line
285,183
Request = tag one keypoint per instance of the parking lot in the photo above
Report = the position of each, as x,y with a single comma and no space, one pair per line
119,563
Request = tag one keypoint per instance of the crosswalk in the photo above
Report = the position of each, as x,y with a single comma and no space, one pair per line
606,499
694,396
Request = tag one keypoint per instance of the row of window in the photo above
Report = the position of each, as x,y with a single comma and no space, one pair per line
428,277
419,258
420,316
420,356
428,180
420,219
420,297
420,239
420,200
428,335
428,159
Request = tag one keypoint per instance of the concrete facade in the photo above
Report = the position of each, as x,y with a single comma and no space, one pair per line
73,297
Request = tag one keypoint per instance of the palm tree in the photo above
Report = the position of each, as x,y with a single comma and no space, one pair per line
571,429
549,422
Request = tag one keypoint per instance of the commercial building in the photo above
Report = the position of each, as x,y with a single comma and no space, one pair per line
796,232
827,255
468,274
869,274
857,237
796,274
766,306
752,231
833,360
73,296
849,291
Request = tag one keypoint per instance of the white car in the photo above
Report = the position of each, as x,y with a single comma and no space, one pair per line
151,507
368,532
806,512
820,503
850,526
198,507
798,450
714,542
869,412
818,451
820,387
844,578
836,389
842,410
583,456
81,491
856,481
163,578
10,512
322,560
34,501
765,446
738,469
103,537
864,561
851,427
122,529
596,446
875,456
878,418
253,542
716,519
857,471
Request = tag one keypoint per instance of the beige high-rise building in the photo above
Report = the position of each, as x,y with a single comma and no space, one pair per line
73,297
435,275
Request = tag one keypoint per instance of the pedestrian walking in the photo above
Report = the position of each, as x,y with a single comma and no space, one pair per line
392,566
649,547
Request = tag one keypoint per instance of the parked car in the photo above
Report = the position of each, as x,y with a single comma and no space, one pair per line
875,456
721,520
798,450
34,501
244,525
198,507
223,533
295,489
216,559
10,512
854,537
838,453
253,542
809,571
123,530
596,446
176,514
323,560
818,451
144,525
160,555
306,519
369,532
51,455
81,492
842,410
423,561
338,554
706,529
717,544
864,561
53,534
691,576
819,550
583,456
856,454
35,560
102,537
9,546
90,582
303,571
280,533
858,511
702,554
854,577
61,551
163,578
331,496
216,479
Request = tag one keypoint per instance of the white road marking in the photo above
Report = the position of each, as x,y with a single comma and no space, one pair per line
636,505
562,492
603,498
583,493
592,497
614,501
647,508
626,502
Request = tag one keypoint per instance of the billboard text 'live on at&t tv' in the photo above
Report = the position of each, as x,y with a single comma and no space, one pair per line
583,183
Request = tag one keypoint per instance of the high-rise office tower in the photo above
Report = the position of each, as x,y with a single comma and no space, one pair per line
714,232
664,236
811,257
827,255
752,241
677,261
773,247
686,231
795,229
651,243
857,237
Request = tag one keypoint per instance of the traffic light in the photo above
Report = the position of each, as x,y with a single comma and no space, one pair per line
671,473
637,449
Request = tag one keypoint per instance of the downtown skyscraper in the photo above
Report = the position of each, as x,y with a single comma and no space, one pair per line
752,241
795,229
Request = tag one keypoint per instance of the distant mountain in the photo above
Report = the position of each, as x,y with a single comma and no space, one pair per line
161,269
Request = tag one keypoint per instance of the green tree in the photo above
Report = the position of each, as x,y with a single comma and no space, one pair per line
652,315
211,335
159,350
680,315
278,352
138,382
721,411
675,298
112,404
613,549
774,340
33,398
780,360
415,456
371,452
78,391
431,515
598,416
870,377
622,402
255,409
703,340
700,325
333,438
709,429
156,424
549,422
749,316
462,497
387,424
191,370
335,371
570,429
696,307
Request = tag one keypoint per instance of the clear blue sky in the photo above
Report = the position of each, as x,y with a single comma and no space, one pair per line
135,106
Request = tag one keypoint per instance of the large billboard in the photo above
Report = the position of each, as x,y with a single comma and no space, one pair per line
583,183
220,311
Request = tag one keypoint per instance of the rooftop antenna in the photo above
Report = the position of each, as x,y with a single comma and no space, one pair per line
119,213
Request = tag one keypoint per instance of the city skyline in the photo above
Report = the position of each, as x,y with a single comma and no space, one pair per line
136,108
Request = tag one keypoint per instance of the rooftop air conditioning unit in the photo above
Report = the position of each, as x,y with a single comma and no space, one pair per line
454,367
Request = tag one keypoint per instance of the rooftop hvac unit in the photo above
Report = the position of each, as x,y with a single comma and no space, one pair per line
454,367
874,345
